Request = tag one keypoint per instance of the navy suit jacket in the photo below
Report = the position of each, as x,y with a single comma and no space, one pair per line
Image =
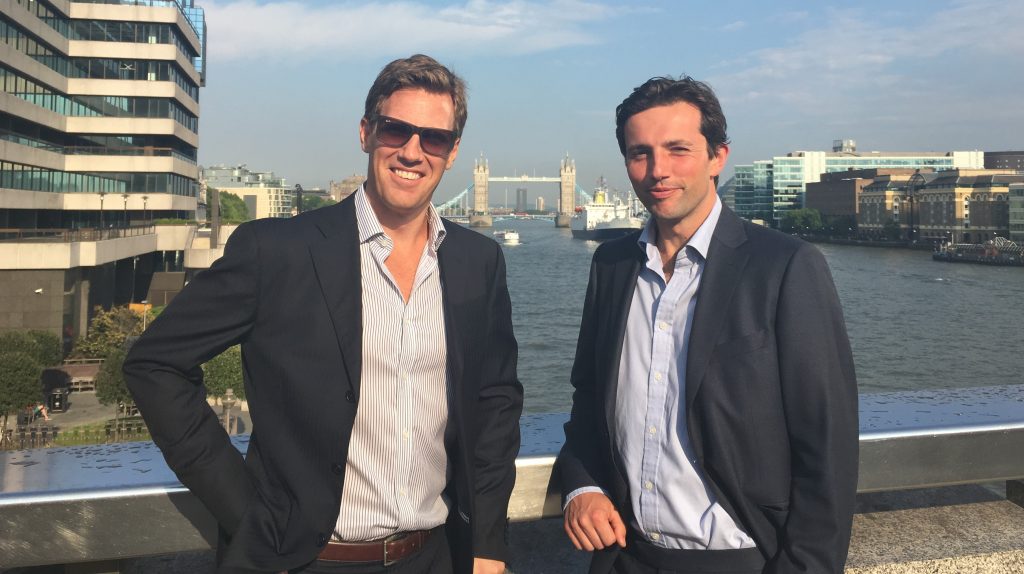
771,396
288,290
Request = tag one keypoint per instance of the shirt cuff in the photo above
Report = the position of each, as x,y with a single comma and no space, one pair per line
582,490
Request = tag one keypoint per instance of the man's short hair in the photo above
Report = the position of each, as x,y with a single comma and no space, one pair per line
664,91
417,72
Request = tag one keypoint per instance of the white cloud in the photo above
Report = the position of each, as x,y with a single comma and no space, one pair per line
850,60
734,26
246,29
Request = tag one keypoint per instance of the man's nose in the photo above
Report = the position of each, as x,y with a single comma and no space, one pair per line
411,151
658,165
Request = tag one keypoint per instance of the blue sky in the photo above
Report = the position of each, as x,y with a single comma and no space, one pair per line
286,80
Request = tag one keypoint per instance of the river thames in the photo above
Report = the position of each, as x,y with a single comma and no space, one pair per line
913,323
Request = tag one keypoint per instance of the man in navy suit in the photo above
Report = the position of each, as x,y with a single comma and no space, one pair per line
379,361
714,419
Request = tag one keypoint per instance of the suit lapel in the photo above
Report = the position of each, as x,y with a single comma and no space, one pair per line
336,261
718,282
620,285
450,262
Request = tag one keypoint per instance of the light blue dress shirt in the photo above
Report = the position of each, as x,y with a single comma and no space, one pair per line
672,505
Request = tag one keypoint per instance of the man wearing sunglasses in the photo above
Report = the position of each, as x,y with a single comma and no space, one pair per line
379,361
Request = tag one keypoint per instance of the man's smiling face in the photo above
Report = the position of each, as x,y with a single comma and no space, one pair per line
401,180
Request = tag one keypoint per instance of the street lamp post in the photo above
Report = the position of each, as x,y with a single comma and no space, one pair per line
124,196
145,211
102,194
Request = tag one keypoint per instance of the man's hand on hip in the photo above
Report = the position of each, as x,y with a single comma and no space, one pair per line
592,522
485,566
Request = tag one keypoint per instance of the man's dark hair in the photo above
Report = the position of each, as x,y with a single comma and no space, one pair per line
664,91
417,72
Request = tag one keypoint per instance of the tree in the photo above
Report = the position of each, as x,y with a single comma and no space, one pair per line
311,202
891,230
224,372
19,383
801,220
232,207
108,330
111,389
44,347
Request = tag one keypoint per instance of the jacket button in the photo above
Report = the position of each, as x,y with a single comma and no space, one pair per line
350,396
321,539
336,468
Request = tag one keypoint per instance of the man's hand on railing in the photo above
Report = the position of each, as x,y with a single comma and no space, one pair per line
592,522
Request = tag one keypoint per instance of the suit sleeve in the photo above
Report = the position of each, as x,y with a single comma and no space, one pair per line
499,406
819,391
579,463
162,371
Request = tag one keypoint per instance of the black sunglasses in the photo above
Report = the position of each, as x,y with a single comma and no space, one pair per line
396,133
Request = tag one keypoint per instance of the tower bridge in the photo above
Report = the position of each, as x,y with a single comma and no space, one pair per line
480,215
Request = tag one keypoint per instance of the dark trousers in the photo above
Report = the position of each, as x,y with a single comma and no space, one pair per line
642,557
434,558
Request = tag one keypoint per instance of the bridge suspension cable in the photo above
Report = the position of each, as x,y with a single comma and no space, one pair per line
455,201
583,194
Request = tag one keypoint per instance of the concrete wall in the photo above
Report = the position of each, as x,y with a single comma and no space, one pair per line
21,308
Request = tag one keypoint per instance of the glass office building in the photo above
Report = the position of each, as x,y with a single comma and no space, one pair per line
780,183
99,124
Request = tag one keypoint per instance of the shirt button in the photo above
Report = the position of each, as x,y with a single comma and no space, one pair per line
649,485
663,326
655,536
336,468
405,434
401,491
321,539
653,430
657,376
350,396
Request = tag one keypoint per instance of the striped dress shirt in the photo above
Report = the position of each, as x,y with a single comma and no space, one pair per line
397,464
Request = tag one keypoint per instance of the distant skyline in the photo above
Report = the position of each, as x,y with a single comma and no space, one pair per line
287,80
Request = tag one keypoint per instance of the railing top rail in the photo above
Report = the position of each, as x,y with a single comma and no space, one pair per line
908,440
123,467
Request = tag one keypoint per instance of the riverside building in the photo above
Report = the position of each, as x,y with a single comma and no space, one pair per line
1017,212
958,206
264,194
781,187
99,122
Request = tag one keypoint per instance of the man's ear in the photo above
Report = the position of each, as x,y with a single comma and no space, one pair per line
364,134
451,156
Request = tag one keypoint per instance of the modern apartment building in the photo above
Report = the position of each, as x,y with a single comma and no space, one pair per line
790,174
99,120
264,194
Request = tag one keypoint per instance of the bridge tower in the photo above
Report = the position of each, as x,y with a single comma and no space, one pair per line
480,216
566,192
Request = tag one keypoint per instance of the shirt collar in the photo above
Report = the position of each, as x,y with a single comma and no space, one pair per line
370,227
701,239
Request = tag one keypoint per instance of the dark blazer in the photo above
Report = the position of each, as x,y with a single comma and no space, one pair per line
289,291
771,397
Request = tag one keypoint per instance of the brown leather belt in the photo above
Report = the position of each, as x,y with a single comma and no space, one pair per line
396,547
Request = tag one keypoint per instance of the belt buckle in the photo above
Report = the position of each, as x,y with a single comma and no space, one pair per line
391,538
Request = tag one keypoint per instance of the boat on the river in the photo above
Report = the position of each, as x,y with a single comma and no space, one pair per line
999,251
605,218
507,236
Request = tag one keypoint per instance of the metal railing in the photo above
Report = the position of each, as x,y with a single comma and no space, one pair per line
74,235
85,504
